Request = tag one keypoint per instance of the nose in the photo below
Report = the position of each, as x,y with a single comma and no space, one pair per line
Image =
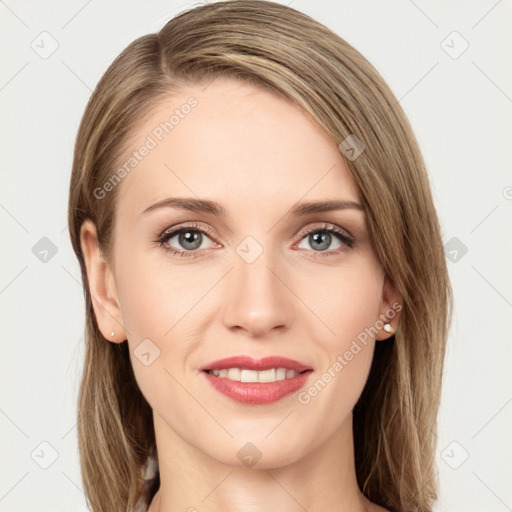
258,298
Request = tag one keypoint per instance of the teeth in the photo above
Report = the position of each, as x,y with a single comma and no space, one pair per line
248,376
242,375
233,374
266,375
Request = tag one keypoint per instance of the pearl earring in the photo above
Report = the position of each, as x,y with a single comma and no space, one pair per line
112,334
388,328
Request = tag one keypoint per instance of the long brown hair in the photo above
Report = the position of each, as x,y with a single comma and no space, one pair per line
293,56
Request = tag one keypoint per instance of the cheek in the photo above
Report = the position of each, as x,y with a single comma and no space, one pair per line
154,304
347,304
160,303
154,295
346,300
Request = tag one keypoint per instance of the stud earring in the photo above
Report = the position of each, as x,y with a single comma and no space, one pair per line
112,334
388,328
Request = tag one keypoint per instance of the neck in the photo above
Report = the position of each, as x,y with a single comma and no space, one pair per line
191,480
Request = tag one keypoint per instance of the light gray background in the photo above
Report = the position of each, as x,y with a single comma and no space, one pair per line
460,109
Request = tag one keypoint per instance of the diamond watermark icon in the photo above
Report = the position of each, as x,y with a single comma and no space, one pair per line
455,249
454,45
351,147
45,45
44,455
146,352
455,455
44,250
249,249
249,455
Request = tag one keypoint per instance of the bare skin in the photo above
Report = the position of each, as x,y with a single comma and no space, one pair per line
258,156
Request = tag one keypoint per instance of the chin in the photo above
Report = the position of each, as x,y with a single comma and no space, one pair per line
253,452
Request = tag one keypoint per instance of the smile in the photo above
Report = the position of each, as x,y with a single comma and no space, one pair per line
256,381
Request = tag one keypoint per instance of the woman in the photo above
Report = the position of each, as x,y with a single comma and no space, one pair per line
267,299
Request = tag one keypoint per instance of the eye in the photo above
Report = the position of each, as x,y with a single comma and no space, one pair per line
320,238
188,240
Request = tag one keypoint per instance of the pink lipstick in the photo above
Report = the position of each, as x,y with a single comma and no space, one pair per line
256,381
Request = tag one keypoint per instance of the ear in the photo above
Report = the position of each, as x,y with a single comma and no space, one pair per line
391,307
101,286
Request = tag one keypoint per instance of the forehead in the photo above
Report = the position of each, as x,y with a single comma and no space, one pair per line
235,143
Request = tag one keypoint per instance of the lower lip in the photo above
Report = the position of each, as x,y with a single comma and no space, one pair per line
257,392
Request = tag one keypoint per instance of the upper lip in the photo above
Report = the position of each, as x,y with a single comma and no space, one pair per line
265,363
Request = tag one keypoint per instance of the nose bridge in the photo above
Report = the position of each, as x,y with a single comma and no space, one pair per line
257,299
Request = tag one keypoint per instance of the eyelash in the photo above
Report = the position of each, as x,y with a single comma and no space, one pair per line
325,228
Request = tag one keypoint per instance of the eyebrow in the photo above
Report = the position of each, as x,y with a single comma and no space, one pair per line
214,208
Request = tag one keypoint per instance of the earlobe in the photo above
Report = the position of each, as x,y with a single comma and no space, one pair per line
101,286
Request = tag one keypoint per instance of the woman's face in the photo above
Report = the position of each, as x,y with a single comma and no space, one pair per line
260,280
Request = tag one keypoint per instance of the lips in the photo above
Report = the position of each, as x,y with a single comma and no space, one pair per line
251,392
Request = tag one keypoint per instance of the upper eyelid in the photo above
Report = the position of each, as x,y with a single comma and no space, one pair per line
325,226
175,230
